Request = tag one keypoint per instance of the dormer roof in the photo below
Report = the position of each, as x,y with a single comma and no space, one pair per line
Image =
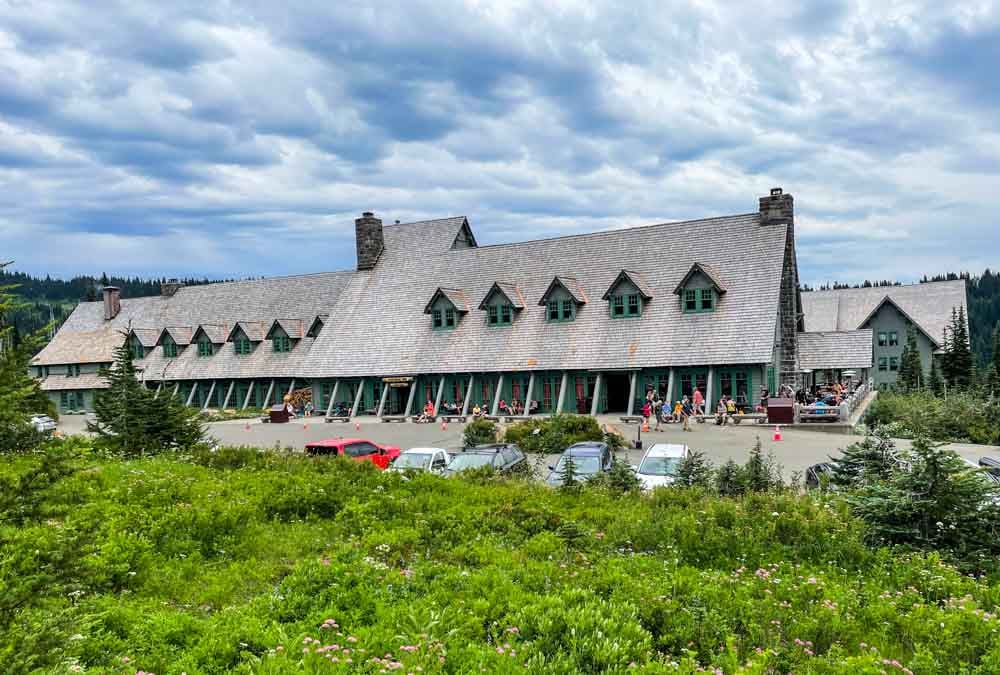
181,335
568,284
254,330
709,273
215,332
636,280
294,328
890,301
147,337
317,325
455,296
509,290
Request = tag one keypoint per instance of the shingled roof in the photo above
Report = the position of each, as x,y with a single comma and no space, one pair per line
709,273
455,296
835,350
508,290
570,285
147,337
927,305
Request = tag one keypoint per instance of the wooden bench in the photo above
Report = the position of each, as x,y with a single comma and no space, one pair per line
631,419
454,418
757,418
394,418
821,414
337,418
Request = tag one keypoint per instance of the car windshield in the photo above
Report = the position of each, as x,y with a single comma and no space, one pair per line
581,465
412,460
470,461
660,466
360,450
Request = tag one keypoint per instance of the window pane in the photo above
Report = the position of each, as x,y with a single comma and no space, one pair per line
505,313
633,304
567,309
726,381
492,314
883,363
893,363
449,318
893,339
706,298
618,305
883,339
690,301
437,318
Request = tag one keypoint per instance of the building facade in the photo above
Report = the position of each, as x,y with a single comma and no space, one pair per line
581,324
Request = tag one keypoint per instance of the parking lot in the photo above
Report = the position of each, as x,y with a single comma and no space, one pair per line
797,450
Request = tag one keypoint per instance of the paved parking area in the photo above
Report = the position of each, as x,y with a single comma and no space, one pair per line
797,450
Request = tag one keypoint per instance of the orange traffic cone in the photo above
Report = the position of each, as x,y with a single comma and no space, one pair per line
645,426
444,426
777,433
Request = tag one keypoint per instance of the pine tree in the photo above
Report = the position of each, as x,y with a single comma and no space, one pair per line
911,371
133,421
934,382
960,359
873,460
994,371
946,368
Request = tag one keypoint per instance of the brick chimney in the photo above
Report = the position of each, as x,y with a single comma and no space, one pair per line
169,287
368,239
776,209
112,302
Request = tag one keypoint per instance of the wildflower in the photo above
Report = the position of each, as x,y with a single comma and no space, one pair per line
279,648
351,638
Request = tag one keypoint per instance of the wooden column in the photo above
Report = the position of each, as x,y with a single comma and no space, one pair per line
229,393
527,395
409,398
562,392
631,392
709,387
357,398
440,391
208,397
596,394
246,399
267,396
291,388
194,388
670,389
158,388
333,397
381,401
496,395
177,389
468,395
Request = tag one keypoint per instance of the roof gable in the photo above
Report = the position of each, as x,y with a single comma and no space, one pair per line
293,328
464,238
709,274
508,290
214,332
317,325
253,330
568,284
890,301
147,337
635,278
455,296
181,335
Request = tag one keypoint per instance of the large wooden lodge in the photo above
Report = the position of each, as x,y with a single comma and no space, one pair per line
583,324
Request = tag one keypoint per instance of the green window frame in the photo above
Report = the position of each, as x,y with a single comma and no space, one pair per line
73,370
205,348
281,343
690,300
883,339
492,315
137,350
242,345
617,306
506,314
568,310
437,319
450,321
553,311
707,297
883,364
169,348
70,400
634,306
559,311
893,338
499,315
893,363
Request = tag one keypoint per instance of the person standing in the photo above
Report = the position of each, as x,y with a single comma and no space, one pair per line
687,410
699,402
647,410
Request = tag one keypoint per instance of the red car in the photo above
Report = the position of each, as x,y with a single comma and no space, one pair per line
356,448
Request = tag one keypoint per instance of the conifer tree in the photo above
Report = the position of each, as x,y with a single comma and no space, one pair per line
911,371
960,357
994,371
133,421
934,382
871,461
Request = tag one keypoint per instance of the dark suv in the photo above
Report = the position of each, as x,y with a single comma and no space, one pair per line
589,459
504,458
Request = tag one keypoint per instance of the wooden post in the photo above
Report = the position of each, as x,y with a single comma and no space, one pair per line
208,397
709,404
562,392
194,388
357,398
409,398
468,395
333,397
267,396
229,393
246,399
381,402
527,395
496,395
670,389
631,392
291,388
596,394
158,388
440,391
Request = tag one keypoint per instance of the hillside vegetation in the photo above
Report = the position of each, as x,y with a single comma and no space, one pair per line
248,561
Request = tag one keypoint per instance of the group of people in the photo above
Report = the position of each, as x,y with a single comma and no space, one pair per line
663,411
515,407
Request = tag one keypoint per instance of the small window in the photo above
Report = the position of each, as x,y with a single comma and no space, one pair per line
690,300
553,310
205,348
282,343
449,318
567,310
617,306
242,345
492,315
137,351
893,339
505,314
707,299
634,306
893,363
438,319
169,348
883,339
883,364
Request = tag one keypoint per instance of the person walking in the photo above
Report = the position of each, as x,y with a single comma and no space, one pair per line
687,410
647,410
699,402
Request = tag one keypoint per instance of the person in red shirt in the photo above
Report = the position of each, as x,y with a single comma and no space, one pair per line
699,402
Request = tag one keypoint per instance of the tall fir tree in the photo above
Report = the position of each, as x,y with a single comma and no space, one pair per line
960,357
132,420
994,372
934,381
946,368
911,370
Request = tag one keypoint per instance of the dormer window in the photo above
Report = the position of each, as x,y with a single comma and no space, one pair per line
446,308
245,334
562,299
242,345
169,347
627,295
281,342
501,302
205,347
700,289
135,346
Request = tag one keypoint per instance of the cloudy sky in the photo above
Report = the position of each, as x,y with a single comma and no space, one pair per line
243,138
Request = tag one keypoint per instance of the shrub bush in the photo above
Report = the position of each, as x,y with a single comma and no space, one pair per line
965,416
479,432
555,434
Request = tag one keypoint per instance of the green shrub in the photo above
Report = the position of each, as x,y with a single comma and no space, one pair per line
965,416
553,435
479,432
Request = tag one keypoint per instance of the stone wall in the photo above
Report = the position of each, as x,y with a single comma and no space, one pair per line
369,240
777,210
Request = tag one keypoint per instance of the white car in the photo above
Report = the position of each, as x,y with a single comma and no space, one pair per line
433,460
659,465
43,424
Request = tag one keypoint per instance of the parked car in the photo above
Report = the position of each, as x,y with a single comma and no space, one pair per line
819,475
589,459
991,466
416,460
505,458
659,465
43,424
357,449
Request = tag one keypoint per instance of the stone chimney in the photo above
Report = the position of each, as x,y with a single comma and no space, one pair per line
169,287
368,239
112,302
776,209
